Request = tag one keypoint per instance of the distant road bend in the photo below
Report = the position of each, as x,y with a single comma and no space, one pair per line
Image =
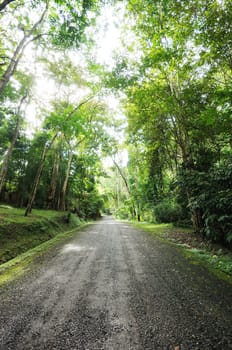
116,288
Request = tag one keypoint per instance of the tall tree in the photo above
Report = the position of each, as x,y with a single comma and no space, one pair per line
178,97
5,164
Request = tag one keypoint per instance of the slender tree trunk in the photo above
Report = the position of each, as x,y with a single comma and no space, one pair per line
12,66
65,184
126,184
36,182
5,164
38,176
62,205
53,183
122,176
196,214
4,168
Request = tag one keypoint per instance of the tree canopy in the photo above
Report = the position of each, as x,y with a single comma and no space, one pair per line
172,75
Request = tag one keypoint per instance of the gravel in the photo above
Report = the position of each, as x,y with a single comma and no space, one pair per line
116,287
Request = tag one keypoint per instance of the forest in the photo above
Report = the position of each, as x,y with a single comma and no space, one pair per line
163,154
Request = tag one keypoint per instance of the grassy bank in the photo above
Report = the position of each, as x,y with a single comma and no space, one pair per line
17,266
217,258
19,234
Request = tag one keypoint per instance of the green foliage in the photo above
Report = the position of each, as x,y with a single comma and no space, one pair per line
122,213
167,212
90,205
211,196
219,261
68,21
176,82
178,106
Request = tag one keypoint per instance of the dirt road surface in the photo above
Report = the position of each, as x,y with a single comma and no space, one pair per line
115,287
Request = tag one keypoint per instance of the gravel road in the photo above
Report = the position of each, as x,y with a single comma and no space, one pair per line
115,287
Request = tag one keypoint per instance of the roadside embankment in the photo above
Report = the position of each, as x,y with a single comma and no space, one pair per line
24,239
19,233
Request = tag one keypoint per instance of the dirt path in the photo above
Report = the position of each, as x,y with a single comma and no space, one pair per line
114,287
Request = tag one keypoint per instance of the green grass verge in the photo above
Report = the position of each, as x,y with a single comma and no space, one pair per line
19,233
17,266
220,263
217,259
9,214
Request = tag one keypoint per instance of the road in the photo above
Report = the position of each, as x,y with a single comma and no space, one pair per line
115,287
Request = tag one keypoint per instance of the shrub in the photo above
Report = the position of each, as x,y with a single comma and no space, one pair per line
211,195
122,213
166,212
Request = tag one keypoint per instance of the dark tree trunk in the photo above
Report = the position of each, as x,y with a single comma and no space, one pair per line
38,176
65,184
4,4
4,168
36,182
53,183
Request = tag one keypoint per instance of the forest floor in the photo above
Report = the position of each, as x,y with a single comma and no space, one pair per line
215,256
113,286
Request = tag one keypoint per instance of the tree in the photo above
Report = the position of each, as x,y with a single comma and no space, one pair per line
5,3
5,164
178,101
59,23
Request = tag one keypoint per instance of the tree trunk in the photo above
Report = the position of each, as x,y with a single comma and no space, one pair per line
65,184
181,135
122,176
38,176
53,184
62,205
127,186
196,215
10,70
5,164
36,182
5,3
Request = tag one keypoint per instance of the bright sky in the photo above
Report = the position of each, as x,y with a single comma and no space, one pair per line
107,38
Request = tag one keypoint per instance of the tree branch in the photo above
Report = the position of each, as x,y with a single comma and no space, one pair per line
19,51
5,3
122,175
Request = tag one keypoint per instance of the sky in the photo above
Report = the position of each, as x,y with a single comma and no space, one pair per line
109,35
108,43
107,39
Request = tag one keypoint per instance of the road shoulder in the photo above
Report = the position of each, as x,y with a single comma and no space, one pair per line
217,259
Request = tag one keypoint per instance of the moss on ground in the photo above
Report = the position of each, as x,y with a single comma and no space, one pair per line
216,258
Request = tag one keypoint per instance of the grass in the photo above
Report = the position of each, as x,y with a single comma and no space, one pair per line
19,234
17,266
218,261
217,258
16,215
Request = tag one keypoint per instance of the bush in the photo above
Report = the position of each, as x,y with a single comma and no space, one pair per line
211,196
166,212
